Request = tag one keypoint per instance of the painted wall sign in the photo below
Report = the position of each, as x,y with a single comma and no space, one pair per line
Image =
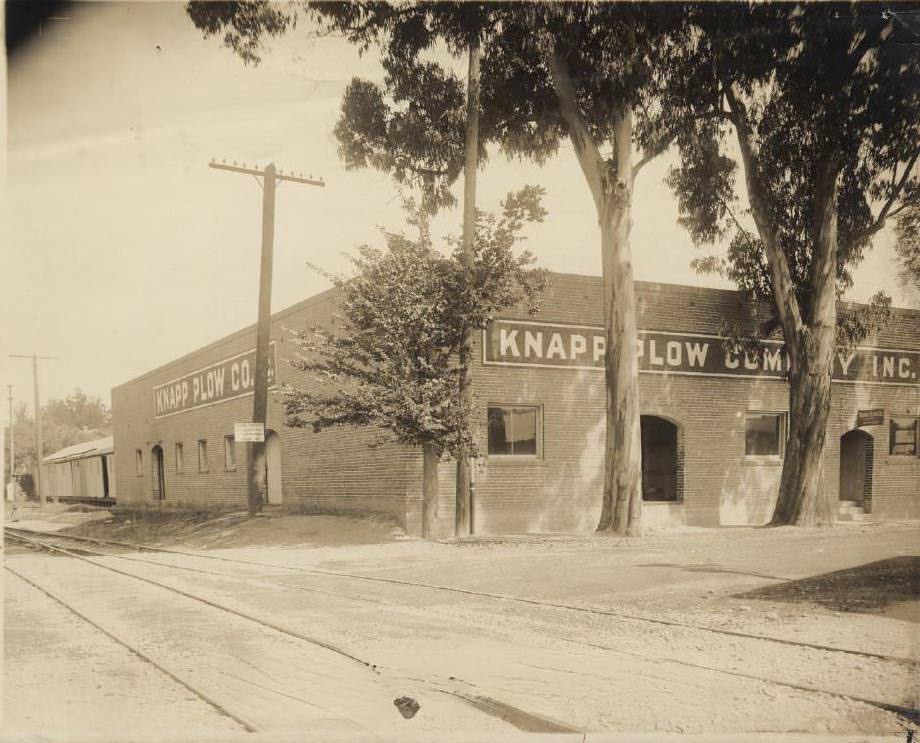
226,380
529,343
873,417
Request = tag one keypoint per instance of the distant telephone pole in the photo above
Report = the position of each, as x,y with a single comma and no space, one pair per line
270,177
9,388
39,452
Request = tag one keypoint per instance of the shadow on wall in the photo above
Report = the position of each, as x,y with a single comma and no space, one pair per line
867,588
561,490
579,481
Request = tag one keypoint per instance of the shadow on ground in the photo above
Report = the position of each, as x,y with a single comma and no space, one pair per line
871,588
709,568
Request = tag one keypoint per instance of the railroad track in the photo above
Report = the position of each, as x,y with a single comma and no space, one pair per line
479,594
453,686
527,721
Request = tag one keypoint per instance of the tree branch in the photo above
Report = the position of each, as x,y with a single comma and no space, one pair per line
649,156
787,303
589,155
886,211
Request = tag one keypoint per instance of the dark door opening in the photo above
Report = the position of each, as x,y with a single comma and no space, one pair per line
659,459
857,451
105,477
159,480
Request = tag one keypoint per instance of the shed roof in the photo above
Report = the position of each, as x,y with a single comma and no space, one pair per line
95,448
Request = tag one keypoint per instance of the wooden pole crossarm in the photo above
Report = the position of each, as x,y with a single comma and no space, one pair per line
279,175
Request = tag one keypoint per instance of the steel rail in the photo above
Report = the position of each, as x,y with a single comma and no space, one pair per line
909,713
519,718
504,597
219,708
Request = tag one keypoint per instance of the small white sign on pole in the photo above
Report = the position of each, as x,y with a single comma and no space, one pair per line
249,432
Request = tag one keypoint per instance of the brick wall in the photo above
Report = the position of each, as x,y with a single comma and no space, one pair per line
338,470
335,470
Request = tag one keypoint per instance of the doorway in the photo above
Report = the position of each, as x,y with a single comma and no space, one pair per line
659,460
273,487
857,451
159,480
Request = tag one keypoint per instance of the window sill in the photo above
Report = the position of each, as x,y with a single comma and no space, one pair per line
767,461
901,459
519,458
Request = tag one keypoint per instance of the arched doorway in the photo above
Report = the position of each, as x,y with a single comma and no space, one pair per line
660,466
157,473
273,487
857,451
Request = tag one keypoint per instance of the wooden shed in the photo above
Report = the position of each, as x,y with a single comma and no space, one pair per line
81,472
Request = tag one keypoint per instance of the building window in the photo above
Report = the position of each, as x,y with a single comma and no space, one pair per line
202,455
902,441
514,431
763,434
180,458
138,462
229,453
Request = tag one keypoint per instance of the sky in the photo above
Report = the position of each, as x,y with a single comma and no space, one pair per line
123,250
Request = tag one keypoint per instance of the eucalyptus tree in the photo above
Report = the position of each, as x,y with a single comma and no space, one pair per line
577,71
819,103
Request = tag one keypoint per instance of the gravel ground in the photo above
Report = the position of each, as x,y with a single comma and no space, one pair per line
848,587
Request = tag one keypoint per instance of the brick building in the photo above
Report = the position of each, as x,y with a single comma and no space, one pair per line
713,422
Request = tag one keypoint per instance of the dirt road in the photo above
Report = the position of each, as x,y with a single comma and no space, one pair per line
585,634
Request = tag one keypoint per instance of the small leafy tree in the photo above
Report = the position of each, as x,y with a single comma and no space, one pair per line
821,103
392,363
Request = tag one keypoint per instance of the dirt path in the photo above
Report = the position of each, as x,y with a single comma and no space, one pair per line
272,682
593,673
65,680
587,670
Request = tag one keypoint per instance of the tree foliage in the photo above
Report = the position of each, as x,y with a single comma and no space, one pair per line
72,420
242,26
811,84
411,126
907,249
391,359
820,104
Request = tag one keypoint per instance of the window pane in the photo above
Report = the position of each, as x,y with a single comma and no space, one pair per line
761,435
524,431
903,436
229,452
513,431
499,431
202,456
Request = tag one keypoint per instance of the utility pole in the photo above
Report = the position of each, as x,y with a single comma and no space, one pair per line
39,452
270,177
463,507
12,483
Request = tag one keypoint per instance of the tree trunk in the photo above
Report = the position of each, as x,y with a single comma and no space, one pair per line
622,499
430,460
464,506
611,188
802,500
